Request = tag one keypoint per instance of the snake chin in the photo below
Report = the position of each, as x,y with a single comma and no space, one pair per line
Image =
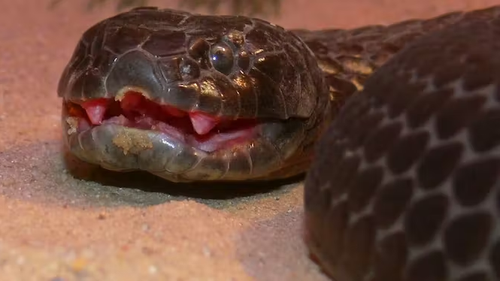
199,130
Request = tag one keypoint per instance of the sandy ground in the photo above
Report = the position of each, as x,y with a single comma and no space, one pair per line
61,219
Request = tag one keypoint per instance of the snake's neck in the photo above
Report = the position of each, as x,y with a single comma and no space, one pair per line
349,56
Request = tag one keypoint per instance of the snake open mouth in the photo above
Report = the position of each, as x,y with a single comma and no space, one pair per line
197,129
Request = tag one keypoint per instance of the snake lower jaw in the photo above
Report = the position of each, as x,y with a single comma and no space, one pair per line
242,154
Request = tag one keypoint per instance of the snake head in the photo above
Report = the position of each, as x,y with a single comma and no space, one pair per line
193,97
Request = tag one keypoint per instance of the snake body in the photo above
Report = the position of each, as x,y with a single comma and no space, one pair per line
404,182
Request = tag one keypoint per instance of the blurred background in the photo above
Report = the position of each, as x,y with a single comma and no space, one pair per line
238,7
311,14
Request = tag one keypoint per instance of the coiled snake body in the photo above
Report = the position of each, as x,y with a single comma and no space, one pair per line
404,183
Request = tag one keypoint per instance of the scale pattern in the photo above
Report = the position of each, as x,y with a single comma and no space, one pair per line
406,182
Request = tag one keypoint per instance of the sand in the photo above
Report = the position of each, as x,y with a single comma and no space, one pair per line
62,220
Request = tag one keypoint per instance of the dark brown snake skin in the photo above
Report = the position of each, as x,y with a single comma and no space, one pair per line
405,183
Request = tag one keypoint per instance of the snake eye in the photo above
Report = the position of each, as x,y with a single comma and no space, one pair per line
222,58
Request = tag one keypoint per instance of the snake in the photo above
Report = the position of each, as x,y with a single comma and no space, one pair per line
396,127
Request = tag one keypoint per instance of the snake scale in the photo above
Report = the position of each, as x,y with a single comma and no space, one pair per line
397,126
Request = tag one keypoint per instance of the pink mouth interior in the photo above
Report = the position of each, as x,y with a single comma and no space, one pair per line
200,130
